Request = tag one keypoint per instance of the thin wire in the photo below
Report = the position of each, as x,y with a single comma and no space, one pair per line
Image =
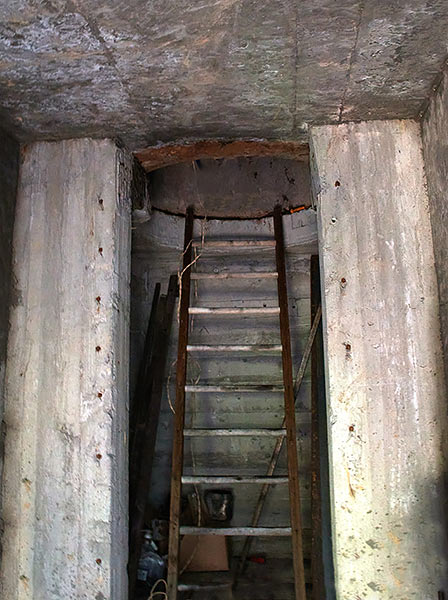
153,593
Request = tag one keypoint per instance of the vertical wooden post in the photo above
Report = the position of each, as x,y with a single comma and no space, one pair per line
317,570
179,418
291,435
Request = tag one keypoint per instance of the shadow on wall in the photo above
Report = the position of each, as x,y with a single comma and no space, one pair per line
9,169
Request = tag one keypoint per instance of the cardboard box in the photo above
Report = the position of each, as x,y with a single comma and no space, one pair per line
204,553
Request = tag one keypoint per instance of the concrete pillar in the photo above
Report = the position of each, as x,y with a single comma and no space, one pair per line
435,151
65,479
386,400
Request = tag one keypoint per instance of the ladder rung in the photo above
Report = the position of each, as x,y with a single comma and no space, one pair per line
241,531
237,275
233,388
268,310
242,348
234,243
224,480
234,432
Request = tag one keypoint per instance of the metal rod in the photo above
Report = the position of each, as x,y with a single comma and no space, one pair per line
291,436
234,432
236,531
222,480
179,418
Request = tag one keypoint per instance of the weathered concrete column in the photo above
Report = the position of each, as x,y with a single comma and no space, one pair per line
65,479
386,399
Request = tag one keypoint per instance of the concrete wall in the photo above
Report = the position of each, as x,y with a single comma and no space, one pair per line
65,479
9,168
386,395
435,150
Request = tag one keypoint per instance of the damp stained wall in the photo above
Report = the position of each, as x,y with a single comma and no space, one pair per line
9,169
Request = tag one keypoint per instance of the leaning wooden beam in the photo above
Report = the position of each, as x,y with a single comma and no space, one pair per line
179,418
146,456
278,446
290,418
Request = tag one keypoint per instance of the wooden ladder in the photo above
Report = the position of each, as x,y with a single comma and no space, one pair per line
288,432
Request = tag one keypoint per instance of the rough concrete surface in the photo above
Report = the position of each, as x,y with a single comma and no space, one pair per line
385,383
9,169
435,148
161,70
233,188
65,476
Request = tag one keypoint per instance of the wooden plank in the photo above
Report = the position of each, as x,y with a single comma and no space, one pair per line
235,348
233,388
291,441
144,375
199,310
234,243
236,531
179,418
146,457
236,275
317,566
221,480
234,432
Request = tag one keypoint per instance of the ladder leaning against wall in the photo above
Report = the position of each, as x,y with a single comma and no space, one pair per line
286,433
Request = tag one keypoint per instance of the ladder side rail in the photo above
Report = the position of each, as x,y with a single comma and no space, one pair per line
291,435
179,418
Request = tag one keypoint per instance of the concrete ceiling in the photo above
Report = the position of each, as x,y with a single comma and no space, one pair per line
163,70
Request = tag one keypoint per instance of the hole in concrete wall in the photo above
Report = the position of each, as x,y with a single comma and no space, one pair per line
235,195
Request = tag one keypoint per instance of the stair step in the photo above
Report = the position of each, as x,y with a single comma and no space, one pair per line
234,432
233,388
224,480
235,348
234,243
237,275
236,531
199,310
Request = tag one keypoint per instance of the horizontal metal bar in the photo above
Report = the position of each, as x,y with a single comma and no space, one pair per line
233,388
221,480
234,243
234,432
241,348
235,531
236,275
268,310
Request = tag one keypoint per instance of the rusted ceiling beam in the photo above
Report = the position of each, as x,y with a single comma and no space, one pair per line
155,157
